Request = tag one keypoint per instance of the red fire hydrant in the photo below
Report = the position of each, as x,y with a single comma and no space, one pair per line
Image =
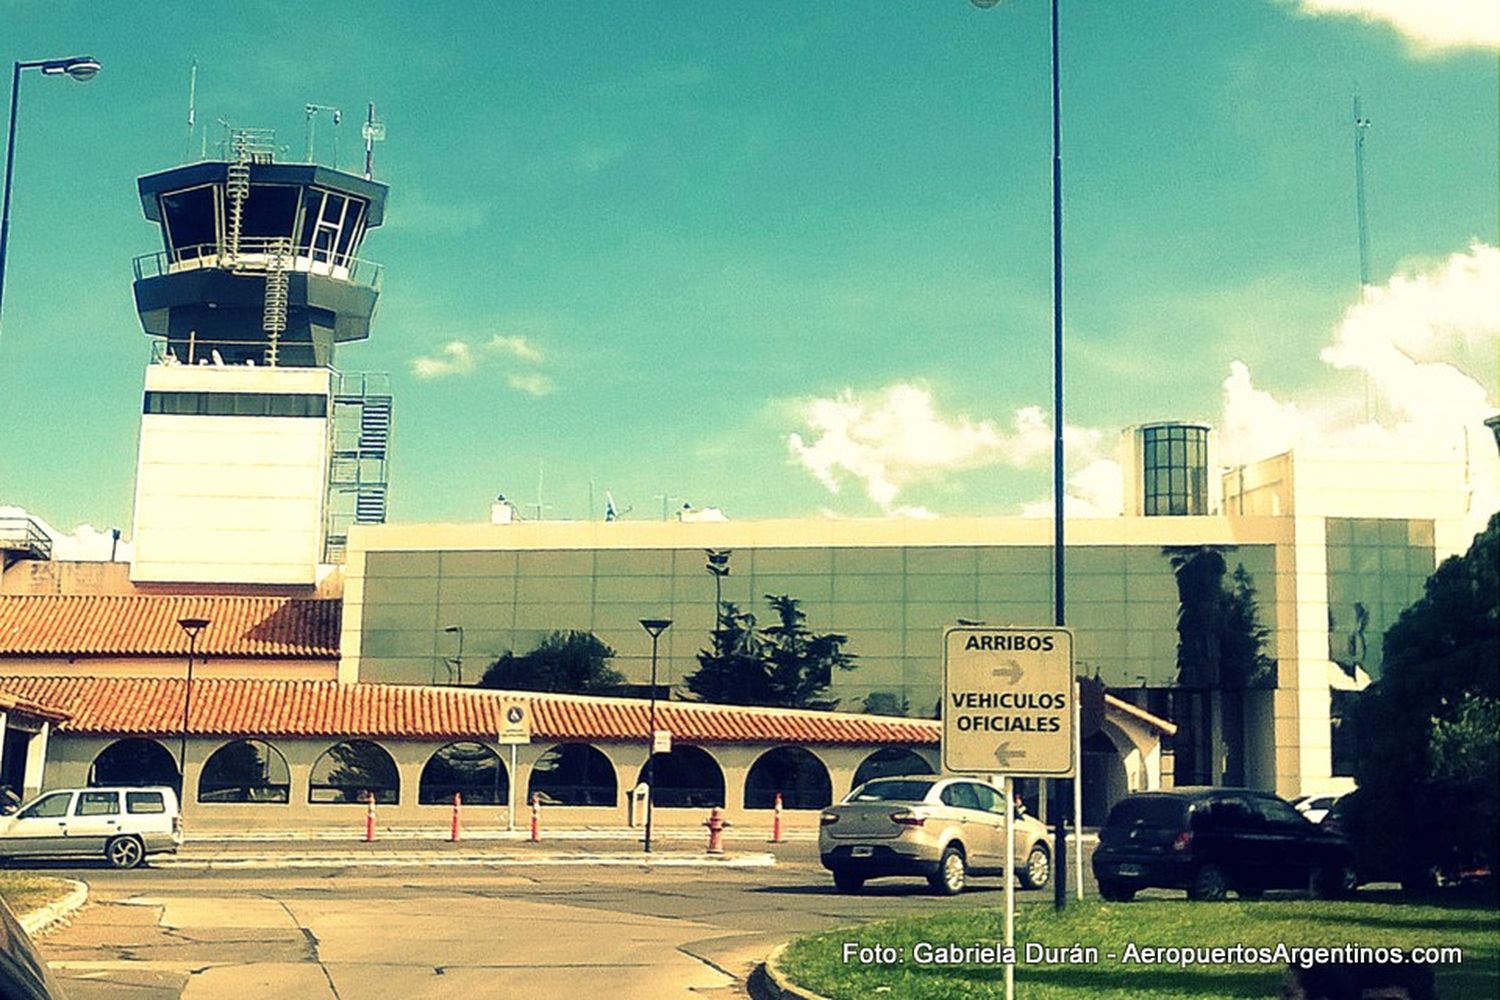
716,824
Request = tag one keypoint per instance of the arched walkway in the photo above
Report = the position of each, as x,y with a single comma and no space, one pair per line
1103,776
135,762
888,762
574,774
469,769
245,771
798,774
688,777
351,772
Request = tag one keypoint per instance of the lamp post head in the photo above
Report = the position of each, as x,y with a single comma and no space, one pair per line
192,626
454,628
80,68
718,561
656,626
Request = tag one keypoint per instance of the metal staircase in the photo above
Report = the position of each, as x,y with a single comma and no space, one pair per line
237,189
273,316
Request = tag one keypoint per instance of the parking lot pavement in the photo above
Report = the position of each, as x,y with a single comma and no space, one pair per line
464,932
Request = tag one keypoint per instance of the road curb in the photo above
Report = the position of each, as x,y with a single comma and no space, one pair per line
37,921
768,982
407,859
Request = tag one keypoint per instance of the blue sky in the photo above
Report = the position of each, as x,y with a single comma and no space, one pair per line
748,254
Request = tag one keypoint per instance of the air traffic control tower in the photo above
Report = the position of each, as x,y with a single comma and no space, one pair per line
256,453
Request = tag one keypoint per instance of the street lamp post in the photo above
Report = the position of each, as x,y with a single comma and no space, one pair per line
77,67
192,626
1060,883
458,661
655,627
718,565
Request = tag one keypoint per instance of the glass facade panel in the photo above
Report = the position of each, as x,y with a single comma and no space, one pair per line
1123,605
792,562
1375,570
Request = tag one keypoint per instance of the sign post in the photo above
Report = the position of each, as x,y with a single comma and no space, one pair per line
1009,708
515,729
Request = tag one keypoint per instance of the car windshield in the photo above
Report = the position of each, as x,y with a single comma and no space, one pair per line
891,791
1146,811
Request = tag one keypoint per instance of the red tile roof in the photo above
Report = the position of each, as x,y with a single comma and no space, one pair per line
146,625
269,708
25,706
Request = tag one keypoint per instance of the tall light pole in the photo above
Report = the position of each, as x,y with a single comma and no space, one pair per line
718,565
655,627
1059,853
77,67
458,661
192,626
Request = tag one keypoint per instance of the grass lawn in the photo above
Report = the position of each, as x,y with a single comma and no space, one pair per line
1374,919
23,892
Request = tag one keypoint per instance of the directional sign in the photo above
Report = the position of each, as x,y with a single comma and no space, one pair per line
1008,701
661,741
515,722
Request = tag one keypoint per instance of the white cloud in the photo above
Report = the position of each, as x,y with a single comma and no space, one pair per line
532,384
85,543
460,357
455,358
890,440
895,437
515,346
1429,24
1403,337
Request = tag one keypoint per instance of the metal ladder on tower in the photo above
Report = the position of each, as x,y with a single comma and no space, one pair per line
273,316
237,189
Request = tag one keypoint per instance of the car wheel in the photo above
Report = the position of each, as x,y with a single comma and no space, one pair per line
1038,870
124,852
1114,892
1333,882
952,872
848,881
1209,884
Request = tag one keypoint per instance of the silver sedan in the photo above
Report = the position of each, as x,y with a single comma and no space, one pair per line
941,828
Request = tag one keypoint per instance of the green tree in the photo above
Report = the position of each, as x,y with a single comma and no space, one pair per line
783,665
885,703
564,663
1428,727
1221,649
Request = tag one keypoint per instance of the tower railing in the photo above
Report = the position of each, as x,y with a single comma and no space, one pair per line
257,254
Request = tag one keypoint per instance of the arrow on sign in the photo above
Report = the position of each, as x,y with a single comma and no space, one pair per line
1003,754
1012,672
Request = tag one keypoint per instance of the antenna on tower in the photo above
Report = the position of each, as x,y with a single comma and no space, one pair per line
373,132
337,115
1361,126
192,117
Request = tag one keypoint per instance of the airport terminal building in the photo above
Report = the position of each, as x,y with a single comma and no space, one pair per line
261,494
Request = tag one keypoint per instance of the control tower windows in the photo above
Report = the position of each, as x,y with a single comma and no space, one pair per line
192,219
270,212
331,227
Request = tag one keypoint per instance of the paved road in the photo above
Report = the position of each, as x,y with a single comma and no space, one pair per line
347,933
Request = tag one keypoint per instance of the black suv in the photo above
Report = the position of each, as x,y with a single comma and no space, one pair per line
1211,840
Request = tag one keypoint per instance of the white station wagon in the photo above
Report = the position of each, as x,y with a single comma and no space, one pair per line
121,825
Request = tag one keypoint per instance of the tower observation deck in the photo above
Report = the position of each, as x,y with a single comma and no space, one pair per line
248,473
260,260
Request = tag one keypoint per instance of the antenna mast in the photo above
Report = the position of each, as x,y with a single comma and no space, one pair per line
1361,126
192,118
373,131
